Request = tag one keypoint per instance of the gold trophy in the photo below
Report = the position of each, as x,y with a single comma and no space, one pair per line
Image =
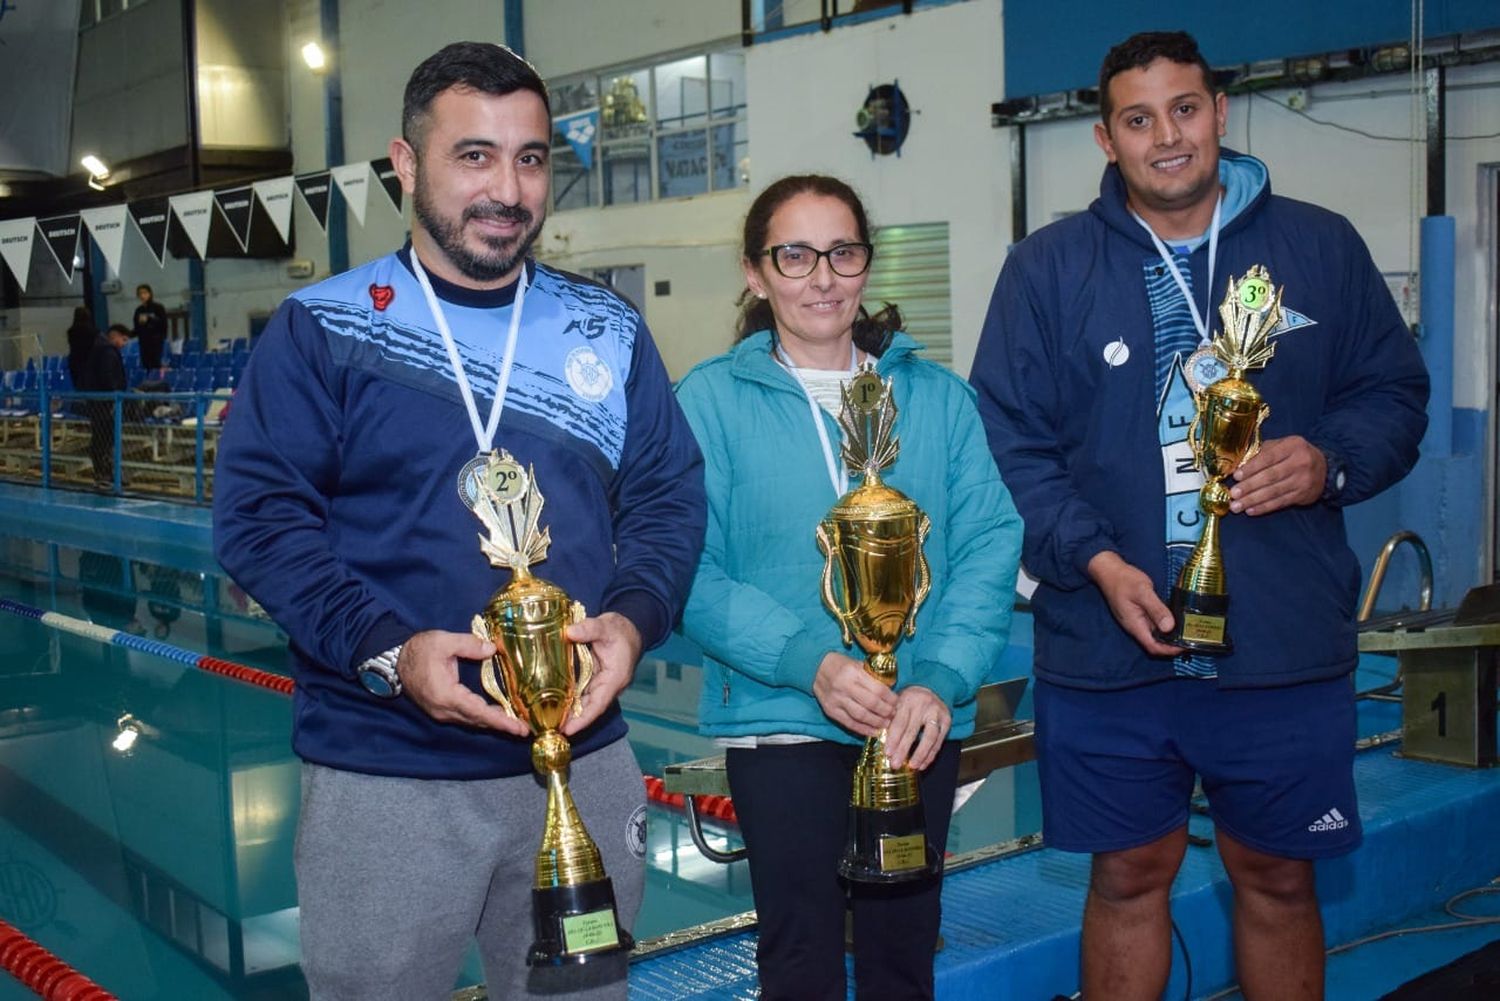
537,675
874,536
1224,434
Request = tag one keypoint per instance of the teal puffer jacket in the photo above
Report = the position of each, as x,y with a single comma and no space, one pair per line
756,608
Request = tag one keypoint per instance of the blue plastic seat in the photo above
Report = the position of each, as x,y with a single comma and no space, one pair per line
203,380
223,377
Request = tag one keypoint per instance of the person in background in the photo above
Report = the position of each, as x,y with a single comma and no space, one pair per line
81,337
1097,325
104,372
780,690
338,505
150,328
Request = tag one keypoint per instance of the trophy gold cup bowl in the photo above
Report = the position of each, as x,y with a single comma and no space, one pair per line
1224,434
538,675
872,547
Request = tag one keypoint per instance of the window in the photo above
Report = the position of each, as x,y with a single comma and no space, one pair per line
668,130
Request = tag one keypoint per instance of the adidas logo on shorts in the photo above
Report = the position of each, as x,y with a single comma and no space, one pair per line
1330,821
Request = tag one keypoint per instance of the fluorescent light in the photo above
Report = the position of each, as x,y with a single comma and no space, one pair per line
95,167
312,54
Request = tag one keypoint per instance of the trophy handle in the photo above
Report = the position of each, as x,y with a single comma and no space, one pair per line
1195,430
587,665
830,600
1260,418
487,676
924,575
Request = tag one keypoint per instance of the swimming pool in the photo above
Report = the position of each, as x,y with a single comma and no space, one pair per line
147,808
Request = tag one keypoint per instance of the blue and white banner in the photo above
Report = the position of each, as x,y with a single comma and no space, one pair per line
580,129
38,56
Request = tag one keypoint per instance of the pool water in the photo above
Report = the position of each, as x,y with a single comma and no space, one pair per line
162,868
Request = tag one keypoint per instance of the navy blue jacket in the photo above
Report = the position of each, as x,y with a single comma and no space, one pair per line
336,502
1077,443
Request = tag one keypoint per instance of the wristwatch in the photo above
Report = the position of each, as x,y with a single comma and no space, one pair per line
378,674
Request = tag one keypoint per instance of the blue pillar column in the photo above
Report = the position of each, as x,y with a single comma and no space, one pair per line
333,126
1437,291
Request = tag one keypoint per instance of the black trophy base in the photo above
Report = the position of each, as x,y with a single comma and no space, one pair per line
888,846
1202,622
575,924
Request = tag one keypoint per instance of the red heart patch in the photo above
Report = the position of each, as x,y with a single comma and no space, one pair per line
381,296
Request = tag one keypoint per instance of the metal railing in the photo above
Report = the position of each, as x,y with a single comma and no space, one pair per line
137,443
769,19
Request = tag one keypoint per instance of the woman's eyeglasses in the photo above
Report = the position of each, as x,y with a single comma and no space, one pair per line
798,260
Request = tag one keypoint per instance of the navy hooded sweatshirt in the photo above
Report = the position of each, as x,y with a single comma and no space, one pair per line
1067,372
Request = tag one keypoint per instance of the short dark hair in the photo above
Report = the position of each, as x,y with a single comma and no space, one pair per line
482,66
119,328
1142,50
871,333
143,285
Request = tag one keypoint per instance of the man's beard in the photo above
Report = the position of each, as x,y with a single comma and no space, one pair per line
503,254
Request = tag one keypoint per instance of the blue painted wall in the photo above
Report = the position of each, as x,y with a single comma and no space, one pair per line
1052,46
1442,499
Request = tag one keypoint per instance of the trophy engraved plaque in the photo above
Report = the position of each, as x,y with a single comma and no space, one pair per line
1224,434
537,676
875,577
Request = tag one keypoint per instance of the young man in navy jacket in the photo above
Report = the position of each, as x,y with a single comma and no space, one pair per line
1082,372
337,506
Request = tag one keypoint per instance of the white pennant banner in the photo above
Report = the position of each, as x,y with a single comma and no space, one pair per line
15,247
195,213
107,226
276,198
354,183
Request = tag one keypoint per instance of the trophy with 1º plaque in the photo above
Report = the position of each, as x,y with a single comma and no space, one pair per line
872,538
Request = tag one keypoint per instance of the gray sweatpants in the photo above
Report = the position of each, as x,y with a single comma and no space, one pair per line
396,877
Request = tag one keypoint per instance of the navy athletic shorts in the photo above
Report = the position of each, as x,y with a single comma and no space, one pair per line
1118,767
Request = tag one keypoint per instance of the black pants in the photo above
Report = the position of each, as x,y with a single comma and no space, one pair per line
793,803
151,350
102,439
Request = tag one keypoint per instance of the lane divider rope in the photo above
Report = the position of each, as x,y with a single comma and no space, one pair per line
42,972
718,807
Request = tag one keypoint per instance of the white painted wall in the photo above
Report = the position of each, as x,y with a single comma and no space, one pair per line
129,98
804,92
1367,180
691,242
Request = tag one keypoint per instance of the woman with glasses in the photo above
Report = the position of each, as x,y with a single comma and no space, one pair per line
780,690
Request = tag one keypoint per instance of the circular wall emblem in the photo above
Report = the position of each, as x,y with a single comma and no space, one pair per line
635,832
587,374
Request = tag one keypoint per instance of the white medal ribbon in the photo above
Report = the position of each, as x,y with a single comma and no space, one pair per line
838,475
484,434
1199,321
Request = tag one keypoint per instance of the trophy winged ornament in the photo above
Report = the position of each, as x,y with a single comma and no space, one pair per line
875,578
1224,434
538,676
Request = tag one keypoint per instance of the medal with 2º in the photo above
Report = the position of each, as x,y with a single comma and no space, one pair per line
497,474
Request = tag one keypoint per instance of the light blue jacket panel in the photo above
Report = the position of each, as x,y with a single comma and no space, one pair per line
756,607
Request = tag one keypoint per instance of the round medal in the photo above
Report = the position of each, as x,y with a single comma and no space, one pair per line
1203,369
